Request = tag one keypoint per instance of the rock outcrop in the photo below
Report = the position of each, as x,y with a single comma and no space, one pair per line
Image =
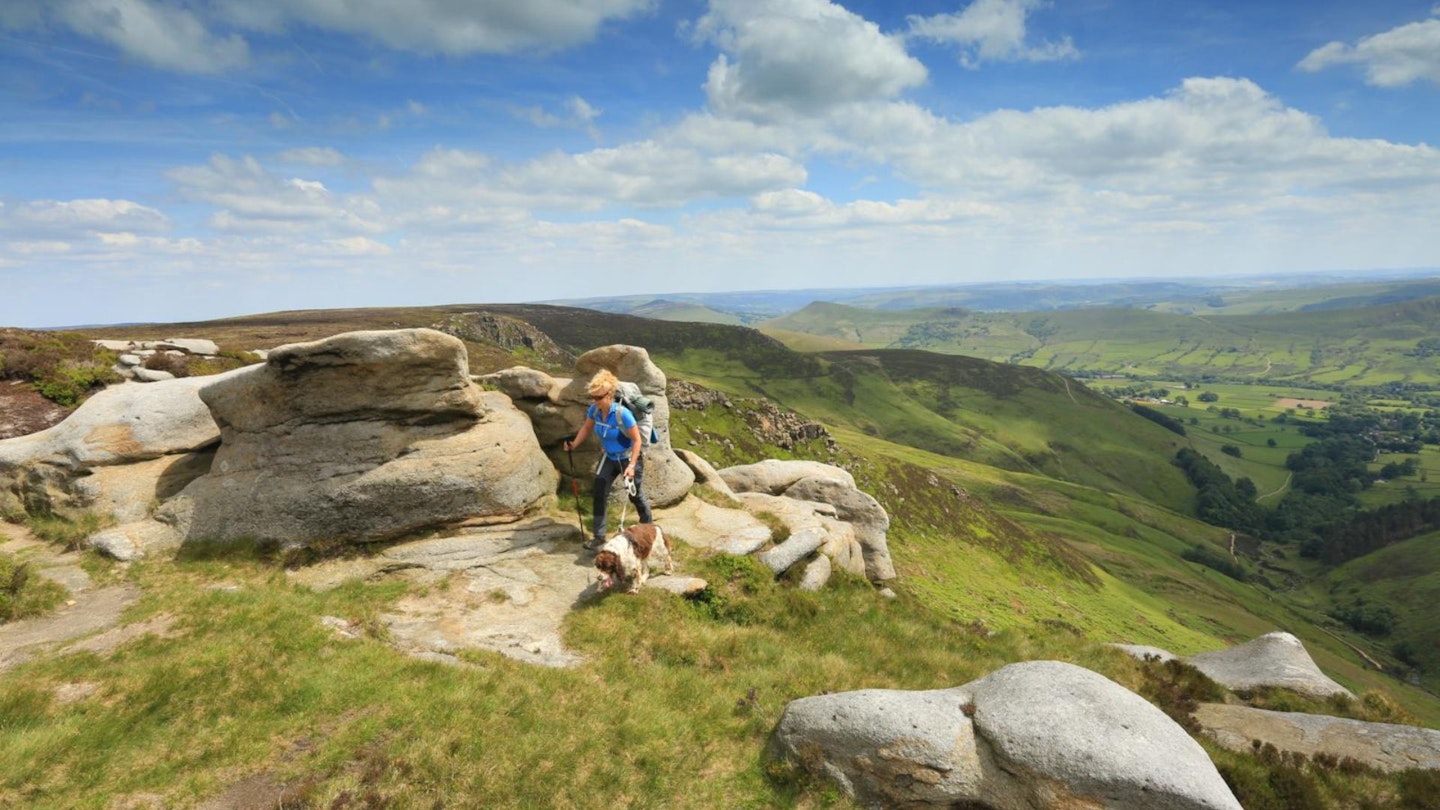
371,436
1380,745
135,356
1279,660
556,407
1274,659
1034,734
817,482
122,450
360,437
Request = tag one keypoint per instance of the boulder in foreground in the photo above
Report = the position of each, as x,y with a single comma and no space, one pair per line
1029,735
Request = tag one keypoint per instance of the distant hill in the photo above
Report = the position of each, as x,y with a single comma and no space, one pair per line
982,463
1404,580
1187,296
665,310
1370,345
1011,417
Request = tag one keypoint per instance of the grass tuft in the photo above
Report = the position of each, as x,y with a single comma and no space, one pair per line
23,594
68,532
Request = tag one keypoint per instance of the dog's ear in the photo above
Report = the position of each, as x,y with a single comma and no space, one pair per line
608,562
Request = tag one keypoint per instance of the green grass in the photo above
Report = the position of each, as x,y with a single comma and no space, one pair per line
1406,578
251,682
67,532
1366,345
24,593
1031,518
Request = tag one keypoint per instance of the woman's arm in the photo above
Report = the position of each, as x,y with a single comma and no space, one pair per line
634,433
581,435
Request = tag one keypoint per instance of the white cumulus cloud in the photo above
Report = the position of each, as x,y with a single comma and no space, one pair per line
78,218
162,33
782,58
210,36
991,30
454,27
450,184
1393,58
253,199
312,156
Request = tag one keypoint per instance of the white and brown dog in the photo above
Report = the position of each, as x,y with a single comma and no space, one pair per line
627,555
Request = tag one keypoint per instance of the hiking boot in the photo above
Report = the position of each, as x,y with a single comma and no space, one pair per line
594,543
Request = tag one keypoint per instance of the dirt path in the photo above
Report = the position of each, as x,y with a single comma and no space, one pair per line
1279,490
88,611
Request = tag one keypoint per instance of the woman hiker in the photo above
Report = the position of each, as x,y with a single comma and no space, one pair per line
620,444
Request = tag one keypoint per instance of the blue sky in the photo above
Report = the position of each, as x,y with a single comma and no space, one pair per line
174,160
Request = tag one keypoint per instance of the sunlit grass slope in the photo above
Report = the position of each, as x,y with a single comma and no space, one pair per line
1001,559
1404,577
1368,345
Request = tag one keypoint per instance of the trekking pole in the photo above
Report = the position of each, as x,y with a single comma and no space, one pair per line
575,489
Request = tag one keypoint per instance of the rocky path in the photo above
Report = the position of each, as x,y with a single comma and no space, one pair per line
88,611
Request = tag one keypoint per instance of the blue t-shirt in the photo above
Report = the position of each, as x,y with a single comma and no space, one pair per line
615,426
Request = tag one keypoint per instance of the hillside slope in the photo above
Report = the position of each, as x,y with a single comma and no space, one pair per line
1071,470
1369,345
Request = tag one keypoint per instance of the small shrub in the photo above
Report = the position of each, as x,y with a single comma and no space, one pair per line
69,383
716,606
63,367
176,364
1178,689
1378,707
1419,789
1271,781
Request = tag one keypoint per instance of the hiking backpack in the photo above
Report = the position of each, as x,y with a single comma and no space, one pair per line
641,407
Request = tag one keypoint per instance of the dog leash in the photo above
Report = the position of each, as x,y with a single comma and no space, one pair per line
625,501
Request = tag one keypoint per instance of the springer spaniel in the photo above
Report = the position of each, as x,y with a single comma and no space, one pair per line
627,556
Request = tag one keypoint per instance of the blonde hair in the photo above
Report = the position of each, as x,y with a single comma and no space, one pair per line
603,383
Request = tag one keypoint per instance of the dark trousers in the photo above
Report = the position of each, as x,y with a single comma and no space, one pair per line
609,470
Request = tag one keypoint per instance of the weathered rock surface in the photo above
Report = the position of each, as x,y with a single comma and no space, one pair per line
774,476
360,437
1023,737
795,548
131,541
503,588
1143,652
801,517
123,424
858,509
1379,745
705,474
556,408
816,482
1274,659
700,524
121,451
817,574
